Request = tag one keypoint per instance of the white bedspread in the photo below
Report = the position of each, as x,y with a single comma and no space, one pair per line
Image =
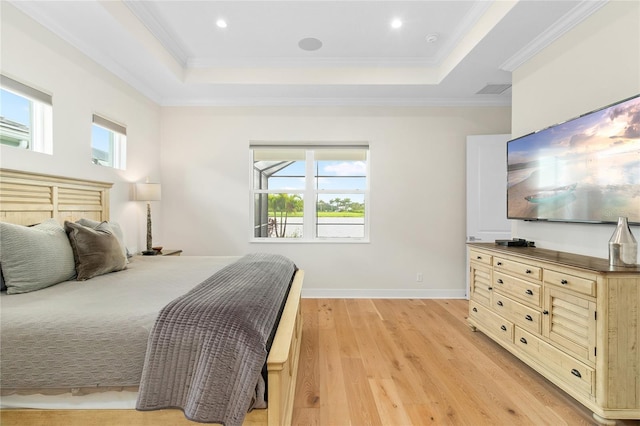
92,333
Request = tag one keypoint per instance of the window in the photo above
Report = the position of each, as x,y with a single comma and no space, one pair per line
26,117
310,193
108,143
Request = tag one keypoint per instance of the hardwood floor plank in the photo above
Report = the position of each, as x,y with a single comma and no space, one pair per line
309,378
334,407
362,405
389,405
345,330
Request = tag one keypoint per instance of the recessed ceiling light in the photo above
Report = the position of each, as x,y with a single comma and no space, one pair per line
310,44
221,23
396,23
432,38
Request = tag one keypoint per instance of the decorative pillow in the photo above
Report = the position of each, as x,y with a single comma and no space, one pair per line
35,257
96,251
115,228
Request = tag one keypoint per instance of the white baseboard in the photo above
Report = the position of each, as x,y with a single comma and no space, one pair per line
331,293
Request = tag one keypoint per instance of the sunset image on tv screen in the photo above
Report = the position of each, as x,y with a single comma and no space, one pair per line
584,170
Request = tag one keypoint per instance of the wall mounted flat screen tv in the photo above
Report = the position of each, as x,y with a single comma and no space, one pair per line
583,170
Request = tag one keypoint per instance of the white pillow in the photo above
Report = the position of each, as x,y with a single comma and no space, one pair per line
35,257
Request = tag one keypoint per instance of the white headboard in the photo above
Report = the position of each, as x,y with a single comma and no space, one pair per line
27,198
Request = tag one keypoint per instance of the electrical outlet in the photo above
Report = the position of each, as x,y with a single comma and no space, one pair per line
419,277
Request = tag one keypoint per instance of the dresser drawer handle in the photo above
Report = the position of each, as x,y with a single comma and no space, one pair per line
564,282
503,328
500,281
489,288
499,263
545,312
576,373
499,303
475,309
528,271
523,340
528,318
479,257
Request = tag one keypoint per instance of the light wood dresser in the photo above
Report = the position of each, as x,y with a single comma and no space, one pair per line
572,318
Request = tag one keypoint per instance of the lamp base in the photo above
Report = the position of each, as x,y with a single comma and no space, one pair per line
149,252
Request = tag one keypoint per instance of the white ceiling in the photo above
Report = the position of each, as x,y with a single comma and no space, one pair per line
173,52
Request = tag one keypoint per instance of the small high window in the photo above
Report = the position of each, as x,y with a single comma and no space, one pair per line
108,143
310,193
26,117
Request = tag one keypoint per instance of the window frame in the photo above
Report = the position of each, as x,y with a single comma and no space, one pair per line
310,193
40,115
117,142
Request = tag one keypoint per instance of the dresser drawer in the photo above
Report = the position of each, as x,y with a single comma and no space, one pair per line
491,324
524,316
525,291
480,257
582,285
562,366
518,268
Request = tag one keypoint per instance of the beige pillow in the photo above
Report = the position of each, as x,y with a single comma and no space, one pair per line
96,250
114,226
35,257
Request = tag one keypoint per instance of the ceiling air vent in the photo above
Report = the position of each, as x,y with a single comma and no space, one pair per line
493,89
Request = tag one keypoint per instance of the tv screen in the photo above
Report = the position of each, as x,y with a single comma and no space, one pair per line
583,170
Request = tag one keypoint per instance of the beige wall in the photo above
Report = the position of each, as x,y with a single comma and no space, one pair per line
593,65
417,160
34,56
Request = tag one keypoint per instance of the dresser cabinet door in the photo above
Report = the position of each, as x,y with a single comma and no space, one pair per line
569,321
480,285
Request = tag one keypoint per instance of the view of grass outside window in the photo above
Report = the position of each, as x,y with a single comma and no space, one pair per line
333,177
25,117
108,143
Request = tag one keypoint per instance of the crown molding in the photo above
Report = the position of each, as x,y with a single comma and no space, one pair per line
338,102
561,26
37,13
468,22
326,62
143,10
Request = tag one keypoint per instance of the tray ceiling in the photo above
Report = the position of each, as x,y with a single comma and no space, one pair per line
313,52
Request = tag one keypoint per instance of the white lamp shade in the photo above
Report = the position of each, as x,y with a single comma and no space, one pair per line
148,192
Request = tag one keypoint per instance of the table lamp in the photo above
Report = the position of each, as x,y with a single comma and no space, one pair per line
148,192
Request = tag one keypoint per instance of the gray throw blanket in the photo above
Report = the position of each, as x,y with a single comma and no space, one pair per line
207,348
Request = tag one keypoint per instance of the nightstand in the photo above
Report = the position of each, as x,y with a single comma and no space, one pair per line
170,252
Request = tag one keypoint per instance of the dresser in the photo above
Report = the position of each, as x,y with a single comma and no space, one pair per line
572,318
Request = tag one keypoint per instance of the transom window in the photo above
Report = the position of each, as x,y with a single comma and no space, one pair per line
26,117
108,143
310,193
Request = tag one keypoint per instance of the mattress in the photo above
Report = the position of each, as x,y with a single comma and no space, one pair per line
92,334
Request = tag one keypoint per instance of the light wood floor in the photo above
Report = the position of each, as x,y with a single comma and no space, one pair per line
416,362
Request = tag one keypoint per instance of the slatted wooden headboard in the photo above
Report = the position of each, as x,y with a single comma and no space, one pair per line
27,198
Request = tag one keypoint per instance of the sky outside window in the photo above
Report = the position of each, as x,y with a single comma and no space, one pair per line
100,138
342,175
15,108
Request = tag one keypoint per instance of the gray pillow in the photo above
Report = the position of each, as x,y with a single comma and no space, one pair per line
96,251
115,228
35,257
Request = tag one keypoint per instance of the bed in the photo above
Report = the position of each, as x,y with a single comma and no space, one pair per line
28,198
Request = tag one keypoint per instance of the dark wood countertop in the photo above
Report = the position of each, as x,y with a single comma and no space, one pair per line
596,264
